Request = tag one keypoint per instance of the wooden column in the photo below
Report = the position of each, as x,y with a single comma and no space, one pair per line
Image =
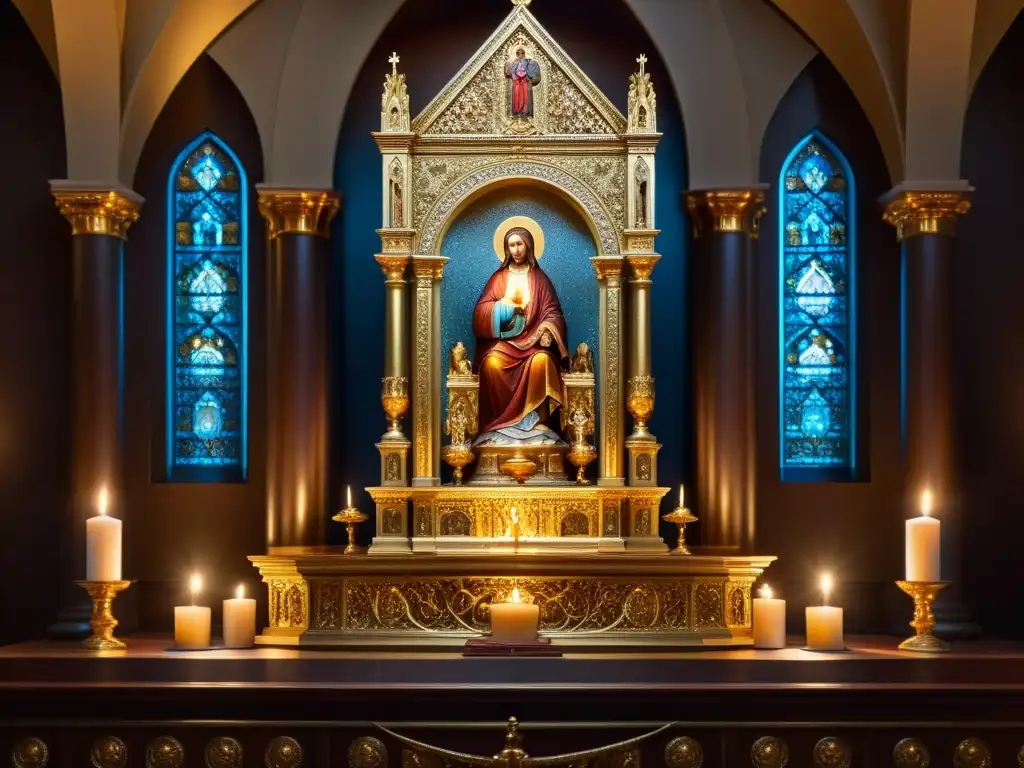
99,222
298,223
925,222
725,225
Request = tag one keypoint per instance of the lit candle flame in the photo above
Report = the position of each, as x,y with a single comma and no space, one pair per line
348,493
515,596
926,503
681,495
765,592
826,586
102,500
195,586
240,592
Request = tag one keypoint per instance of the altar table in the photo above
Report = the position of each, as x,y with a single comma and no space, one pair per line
209,707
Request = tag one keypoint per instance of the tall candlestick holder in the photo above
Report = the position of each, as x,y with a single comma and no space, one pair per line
351,517
102,620
924,594
682,517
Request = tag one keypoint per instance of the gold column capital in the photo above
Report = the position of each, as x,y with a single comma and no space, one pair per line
397,240
429,266
97,211
925,211
643,265
608,266
299,211
393,265
725,210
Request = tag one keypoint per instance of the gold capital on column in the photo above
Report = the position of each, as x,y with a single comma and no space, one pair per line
305,212
392,265
925,212
725,210
98,211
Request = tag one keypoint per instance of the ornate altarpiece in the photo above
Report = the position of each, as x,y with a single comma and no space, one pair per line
590,553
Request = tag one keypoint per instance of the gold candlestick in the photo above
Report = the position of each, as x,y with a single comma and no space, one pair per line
351,517
924,594
681,516
102,620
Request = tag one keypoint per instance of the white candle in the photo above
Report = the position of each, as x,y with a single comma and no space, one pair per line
239,620
769,620
923,544
348,496
825,623
680,495
192,622
102,544
514,621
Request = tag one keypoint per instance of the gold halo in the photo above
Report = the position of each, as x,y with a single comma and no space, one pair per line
526,223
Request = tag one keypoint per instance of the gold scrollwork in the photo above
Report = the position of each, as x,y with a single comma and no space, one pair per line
567,605
98,212
832,752
911,753
30,752
642,523
769,752
367,752
424,520
304,212
738,602
707,605
972,753
610,526
165,752
108,752
283,752
329,597
288,600
926,213
684,752
224,752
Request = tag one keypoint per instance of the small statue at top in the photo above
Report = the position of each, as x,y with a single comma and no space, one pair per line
524,74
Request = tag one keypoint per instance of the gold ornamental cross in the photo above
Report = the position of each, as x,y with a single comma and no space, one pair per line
393,61
641,61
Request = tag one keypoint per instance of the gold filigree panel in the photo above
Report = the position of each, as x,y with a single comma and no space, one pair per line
566,605
549,517
707,604
738,606
288,603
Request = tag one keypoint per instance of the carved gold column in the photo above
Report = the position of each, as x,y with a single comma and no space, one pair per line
609,275
426,374
640,392
925,221
298,223
99,222
725,225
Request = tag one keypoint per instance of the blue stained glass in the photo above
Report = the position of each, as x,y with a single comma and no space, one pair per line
207,318
817,399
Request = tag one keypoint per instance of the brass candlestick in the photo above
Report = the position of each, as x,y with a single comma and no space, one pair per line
681,516
924,594
351,517
102,620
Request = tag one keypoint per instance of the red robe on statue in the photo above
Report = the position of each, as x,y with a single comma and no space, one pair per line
517,375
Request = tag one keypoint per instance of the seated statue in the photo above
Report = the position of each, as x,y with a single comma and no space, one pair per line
520,349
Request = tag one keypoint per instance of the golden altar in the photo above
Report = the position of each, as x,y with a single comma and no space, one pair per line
521,115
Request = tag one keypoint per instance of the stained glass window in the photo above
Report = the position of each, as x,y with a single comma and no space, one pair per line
817,395
207,307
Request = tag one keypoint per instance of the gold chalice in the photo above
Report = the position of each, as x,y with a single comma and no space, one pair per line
102,620
640,404
682,517
457,457
351,517
394,397
924,594
581,454
519,468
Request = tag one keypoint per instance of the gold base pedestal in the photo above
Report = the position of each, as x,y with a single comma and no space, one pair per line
103,621
924,594
320,597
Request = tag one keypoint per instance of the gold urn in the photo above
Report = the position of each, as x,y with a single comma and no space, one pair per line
394,397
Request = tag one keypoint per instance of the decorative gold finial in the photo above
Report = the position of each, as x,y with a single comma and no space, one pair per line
641,61
393,61
394,102
521,3
641,108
